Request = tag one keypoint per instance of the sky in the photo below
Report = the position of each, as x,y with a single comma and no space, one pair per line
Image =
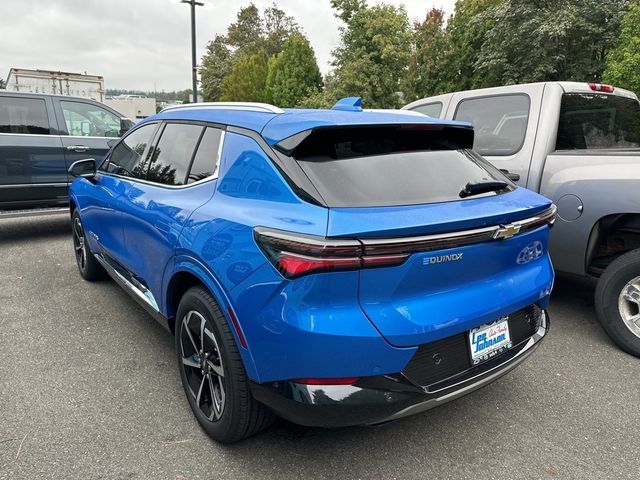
146,44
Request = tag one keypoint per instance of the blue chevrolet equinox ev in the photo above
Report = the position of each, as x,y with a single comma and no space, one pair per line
334,267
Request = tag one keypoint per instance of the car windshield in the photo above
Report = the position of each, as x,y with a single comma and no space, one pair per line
598,121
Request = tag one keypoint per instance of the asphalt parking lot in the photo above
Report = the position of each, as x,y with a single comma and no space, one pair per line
89,389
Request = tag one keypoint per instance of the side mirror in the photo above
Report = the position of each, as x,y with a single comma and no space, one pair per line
83,168
125,125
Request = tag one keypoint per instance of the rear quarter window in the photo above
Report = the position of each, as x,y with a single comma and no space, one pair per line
23,115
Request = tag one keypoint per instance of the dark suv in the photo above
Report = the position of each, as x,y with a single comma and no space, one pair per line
41,136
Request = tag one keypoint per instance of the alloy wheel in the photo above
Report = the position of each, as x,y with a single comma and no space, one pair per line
79,243
629,305
202,363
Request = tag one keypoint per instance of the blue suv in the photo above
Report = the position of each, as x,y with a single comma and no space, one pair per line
334,267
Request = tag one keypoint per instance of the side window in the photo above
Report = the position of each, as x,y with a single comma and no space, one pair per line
500,122
23,115
430,109
205,162
88,120
171,157
126,159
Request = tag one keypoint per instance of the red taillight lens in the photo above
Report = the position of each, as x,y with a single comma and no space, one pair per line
600,87
327,381
295,255
292,265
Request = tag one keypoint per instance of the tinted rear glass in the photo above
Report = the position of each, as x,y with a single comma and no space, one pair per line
378,167
594,121
23,115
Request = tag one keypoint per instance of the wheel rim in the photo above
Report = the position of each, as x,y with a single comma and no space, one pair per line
202,365
79,243
629,306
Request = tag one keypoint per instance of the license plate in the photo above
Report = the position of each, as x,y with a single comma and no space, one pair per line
487,341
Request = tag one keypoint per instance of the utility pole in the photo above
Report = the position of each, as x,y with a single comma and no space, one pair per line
194,68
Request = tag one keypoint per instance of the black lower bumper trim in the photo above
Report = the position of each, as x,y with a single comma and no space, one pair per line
375,400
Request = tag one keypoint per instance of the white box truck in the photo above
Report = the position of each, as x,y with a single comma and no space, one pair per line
56,83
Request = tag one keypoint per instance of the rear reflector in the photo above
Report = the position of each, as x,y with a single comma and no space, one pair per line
600,87
327,381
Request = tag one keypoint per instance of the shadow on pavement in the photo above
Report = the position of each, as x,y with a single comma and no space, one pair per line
34,228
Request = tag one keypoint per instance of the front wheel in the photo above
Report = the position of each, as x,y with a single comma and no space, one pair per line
618,301
212,372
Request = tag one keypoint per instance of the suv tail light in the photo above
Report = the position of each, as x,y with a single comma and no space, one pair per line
295,255
600,87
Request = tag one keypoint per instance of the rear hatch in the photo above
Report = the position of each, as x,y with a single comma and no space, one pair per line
453,243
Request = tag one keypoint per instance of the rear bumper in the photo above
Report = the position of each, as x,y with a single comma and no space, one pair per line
374,400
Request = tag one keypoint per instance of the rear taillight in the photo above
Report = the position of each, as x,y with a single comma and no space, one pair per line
600,87
295,255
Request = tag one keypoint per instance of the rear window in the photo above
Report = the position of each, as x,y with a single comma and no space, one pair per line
596,121
23,115
370,167
500,122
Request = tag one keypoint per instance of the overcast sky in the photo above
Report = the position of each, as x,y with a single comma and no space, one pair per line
142,44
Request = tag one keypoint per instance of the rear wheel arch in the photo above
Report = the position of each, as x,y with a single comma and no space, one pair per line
611,236
178,285
184,279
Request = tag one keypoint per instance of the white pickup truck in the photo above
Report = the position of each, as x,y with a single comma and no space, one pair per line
579,145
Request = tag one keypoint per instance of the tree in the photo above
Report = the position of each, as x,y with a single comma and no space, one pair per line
249,35
425,75
246,35
466,32
555,40
215,66
623,61
247,80
278,28
293,73
373,54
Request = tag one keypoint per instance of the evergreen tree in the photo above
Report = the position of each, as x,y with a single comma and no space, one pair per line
247,80
293,73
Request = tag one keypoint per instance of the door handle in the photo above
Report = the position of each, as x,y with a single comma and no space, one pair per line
78,148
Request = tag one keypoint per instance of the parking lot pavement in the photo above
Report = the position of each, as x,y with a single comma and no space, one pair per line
89,389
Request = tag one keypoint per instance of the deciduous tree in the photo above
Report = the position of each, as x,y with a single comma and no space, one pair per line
373,54
623,61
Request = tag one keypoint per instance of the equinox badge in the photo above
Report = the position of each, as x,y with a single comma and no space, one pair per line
452,257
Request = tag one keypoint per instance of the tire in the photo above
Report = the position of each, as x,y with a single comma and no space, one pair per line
617,301
220,398
88,266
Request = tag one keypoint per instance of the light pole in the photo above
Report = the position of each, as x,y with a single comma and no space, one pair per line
194,68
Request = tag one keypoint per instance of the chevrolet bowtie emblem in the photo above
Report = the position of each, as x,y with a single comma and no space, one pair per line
507,231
